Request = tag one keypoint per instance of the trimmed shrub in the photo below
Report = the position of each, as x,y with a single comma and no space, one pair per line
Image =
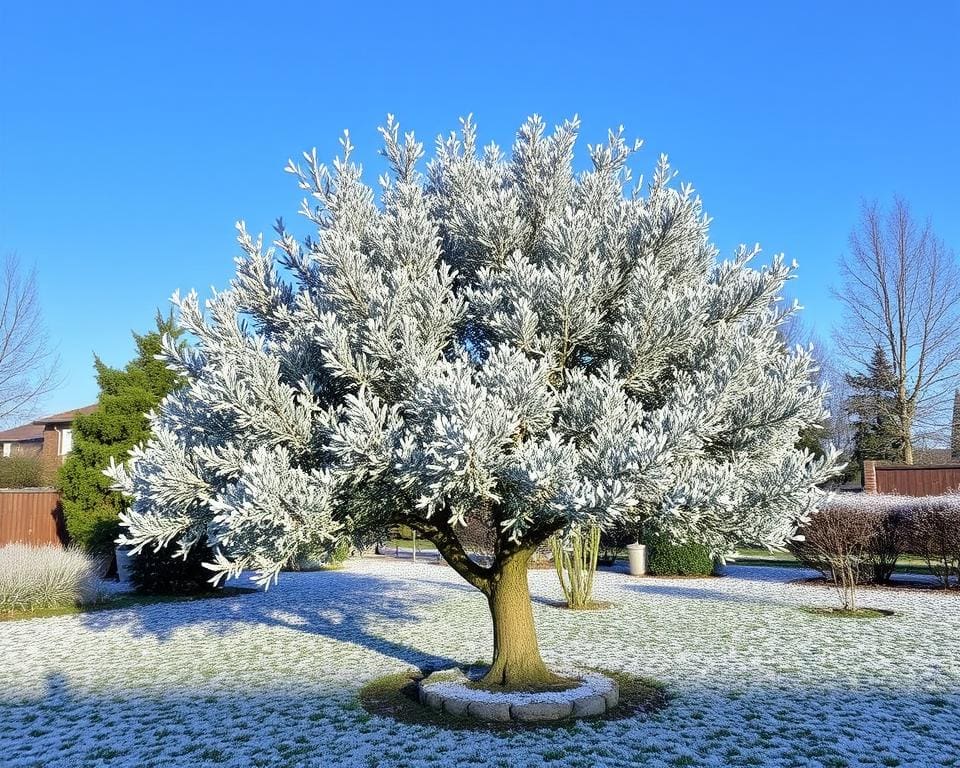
613,543
21,472
669,559
47,577
862,536
935,534
162,572
322,560
891,536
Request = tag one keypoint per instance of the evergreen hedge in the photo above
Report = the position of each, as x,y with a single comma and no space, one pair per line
162,573
91,510
669,559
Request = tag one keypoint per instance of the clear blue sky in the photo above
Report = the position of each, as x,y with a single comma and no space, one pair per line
134,135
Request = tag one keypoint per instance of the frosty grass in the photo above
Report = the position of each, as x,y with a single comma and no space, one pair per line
270,679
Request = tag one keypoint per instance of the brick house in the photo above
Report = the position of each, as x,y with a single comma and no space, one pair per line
58,439
25,440
50,438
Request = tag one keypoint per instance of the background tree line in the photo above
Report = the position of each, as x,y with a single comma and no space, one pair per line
893,366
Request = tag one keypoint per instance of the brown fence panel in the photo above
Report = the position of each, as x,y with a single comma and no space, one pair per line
31,516
918,481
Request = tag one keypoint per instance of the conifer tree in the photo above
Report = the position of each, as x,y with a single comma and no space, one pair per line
872,408
91,509
501,341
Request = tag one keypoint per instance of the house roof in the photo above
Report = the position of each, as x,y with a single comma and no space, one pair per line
22,434
67,416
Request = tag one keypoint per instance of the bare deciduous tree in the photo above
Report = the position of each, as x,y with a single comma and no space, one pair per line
840,540
901,290
28,365
837,427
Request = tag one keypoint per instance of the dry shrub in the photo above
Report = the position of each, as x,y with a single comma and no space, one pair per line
859,538
837,542
935,534
47,577
21,472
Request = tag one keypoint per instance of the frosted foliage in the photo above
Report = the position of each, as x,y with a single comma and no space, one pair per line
493,338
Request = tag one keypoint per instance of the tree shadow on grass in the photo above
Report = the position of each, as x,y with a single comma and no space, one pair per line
769,573
686,592
340,605
65,723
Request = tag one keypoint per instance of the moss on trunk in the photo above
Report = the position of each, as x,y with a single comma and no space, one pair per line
517,664
516,655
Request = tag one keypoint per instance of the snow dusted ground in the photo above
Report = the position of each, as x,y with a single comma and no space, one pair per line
270,679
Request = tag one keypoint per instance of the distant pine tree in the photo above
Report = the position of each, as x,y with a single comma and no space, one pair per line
90,508
811,439
872,409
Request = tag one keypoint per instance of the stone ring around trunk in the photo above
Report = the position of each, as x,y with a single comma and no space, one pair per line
453,692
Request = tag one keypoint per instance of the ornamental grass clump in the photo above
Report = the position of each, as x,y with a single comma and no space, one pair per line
496,340
575,558
33,578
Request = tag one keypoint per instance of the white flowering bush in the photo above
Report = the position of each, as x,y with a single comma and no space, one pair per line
496,341
47,577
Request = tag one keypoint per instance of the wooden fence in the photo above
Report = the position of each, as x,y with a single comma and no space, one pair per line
907,480
31,516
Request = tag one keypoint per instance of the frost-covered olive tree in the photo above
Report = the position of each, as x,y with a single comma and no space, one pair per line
496,341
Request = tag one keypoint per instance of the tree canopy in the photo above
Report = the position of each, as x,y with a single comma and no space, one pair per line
496,340
28,362
901,291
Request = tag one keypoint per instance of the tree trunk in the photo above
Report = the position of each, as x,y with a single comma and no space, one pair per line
516,655
906,409
907,450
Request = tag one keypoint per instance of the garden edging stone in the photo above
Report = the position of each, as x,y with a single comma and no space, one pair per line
451,690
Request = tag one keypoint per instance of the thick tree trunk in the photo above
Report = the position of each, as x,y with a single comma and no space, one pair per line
516,655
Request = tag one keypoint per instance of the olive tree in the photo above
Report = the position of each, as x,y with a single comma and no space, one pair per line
494,341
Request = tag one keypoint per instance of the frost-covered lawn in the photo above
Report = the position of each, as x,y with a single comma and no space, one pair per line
270,679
